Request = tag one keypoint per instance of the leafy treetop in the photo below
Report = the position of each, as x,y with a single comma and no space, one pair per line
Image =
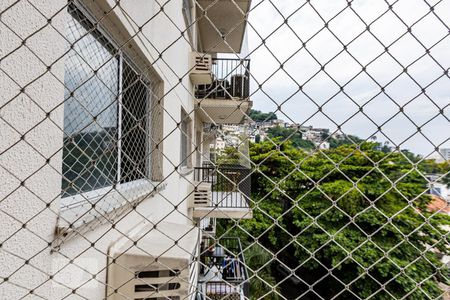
353,213
259,116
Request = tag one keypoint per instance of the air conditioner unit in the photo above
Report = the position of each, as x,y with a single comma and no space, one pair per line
154,268
239,86
201,68
202,194
151,283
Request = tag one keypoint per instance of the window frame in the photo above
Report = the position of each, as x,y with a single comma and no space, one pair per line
148,103
199,148
188,10
185,158
147,182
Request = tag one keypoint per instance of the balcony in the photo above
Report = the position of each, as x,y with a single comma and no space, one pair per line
223,272
224,17
230,192
226,99
208,227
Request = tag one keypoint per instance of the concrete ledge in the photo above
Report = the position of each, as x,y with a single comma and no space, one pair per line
223,212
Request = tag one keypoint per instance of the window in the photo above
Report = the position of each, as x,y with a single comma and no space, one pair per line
106,112
185,128
198,142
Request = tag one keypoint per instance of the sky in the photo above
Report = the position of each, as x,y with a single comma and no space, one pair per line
280,87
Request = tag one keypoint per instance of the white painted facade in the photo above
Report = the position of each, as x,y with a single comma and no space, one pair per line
437,187
31,141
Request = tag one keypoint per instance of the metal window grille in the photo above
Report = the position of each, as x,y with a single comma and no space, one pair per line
106,122
322,172
91,109
185,140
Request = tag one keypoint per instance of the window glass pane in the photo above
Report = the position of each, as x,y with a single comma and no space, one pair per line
135,126
184,138
90,109
187,13
187,10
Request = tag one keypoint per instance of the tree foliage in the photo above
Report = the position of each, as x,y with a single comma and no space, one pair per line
348,140
446,180
356,214
262,281
259,116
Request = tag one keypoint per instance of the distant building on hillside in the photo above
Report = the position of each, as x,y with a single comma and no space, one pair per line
439,205
445,152
315,135
323,145
280,123
438,188
219,144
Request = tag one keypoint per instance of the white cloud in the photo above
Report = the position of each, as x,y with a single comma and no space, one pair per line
366,49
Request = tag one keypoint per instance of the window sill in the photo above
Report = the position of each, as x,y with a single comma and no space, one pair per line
103,205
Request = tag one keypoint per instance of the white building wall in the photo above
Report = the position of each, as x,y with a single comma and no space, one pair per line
28,137
440,189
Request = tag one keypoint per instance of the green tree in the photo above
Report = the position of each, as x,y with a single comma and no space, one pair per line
259,116
261,281
446,180
257,138
348,140
353,214
230,156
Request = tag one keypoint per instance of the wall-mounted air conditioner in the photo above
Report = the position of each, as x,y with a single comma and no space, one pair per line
150,283
154,267
239,86
202,194
200,68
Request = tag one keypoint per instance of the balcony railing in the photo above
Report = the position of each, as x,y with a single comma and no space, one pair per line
221,290
226,256
231,80
208,226
230,184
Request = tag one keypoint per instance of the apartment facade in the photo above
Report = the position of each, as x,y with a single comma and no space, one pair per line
108,190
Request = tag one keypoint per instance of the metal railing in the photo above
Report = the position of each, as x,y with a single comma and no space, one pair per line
221,290
225,253
208,225
233,247
231,80
230,184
